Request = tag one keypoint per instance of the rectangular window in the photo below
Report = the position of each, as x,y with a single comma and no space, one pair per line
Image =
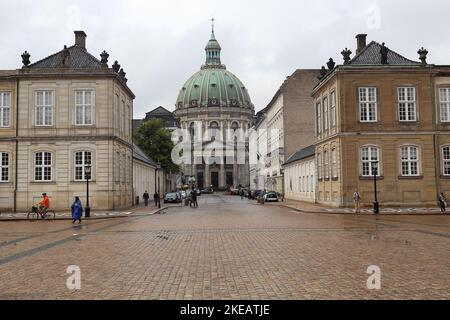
446,161
82,159
43,166
325,114
122,123
327,165
4,166
334,159
333,109
444,99
410,161
44,108
319,166
368,104
83,107
407,104
370,161
319,119
5,109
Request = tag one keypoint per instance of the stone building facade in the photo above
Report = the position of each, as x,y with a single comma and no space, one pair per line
300,175
290,123
147,175
382,114
212,103
59,115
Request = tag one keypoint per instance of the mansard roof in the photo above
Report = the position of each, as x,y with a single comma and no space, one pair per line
304,153
140,155
77,57
371,55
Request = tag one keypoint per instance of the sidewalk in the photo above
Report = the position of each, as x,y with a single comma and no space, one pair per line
66,215
318,208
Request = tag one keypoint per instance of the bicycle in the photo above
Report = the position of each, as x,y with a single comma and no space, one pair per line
38,214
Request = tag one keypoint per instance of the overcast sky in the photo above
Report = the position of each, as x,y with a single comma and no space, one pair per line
161,43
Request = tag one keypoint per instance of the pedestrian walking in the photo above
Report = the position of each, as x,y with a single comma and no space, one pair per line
194,198
241,193
442,202
77,210
146,196
357,201
156,198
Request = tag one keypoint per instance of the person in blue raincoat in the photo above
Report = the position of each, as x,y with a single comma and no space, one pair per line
77,210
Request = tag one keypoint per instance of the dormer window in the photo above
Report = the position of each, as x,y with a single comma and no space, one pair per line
213,85
196,86
194,103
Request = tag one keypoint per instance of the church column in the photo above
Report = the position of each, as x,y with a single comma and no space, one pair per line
222,179
207,176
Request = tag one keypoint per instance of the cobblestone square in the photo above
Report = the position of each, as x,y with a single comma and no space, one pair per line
228,248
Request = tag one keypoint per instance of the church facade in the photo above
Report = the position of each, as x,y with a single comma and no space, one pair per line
215,109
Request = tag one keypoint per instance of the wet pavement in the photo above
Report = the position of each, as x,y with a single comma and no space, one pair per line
227,248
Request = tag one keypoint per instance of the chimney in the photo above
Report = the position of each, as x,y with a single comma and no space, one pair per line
80,39
361,42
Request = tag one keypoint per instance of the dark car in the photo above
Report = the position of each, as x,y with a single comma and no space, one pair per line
255,194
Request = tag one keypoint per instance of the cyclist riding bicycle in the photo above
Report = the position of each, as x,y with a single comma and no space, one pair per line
42,206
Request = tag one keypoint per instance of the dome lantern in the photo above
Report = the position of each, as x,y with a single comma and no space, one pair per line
213,48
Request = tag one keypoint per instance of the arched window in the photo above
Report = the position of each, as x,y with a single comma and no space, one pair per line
370,157
4,166
43,166
409,157
214,130
234,126
334,162
192,129
446,160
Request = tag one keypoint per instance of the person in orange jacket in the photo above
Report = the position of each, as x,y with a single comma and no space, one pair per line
45,203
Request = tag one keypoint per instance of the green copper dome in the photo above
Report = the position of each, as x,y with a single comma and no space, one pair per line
213,85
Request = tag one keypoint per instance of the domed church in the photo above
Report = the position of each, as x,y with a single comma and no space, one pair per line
212,103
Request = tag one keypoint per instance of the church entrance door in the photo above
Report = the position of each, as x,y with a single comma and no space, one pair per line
215,180
200,180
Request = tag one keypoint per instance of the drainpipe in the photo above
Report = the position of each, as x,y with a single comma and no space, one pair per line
16,173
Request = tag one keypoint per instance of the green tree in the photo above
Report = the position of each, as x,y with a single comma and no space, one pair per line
156,142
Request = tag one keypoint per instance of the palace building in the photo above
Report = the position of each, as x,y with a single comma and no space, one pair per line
211,103
58,117
382,115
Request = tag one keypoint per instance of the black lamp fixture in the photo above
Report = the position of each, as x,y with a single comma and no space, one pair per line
87,173
376,205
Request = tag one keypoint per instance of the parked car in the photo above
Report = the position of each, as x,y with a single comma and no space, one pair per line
271,196
207,191
255,194
172,197
234,191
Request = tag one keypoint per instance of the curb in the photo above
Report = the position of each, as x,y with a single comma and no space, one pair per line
365,214
88,219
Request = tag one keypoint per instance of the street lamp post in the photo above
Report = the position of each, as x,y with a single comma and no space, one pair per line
87,209
159,194
376,205
158,167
